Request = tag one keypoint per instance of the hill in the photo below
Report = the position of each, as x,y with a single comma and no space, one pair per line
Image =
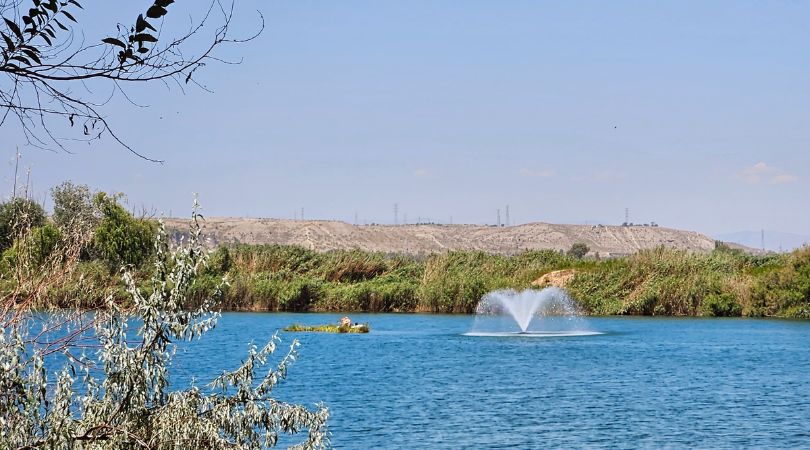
319,235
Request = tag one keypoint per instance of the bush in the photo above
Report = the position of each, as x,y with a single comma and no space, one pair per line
220,261
17,217
35,247
662,281
73,207
783,287
721,305
121,239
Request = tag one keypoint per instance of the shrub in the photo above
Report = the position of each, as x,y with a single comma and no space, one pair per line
17,217
220,261
35,246
121,239
73,207
721,305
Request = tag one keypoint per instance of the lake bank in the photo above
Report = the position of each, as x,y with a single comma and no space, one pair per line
659,282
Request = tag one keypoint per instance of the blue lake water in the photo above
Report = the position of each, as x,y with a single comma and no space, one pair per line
417,381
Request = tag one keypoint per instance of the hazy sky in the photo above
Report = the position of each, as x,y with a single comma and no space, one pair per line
692,114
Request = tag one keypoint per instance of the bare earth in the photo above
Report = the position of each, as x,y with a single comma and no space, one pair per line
425,239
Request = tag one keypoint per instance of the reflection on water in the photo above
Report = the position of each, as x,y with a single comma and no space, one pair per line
532,334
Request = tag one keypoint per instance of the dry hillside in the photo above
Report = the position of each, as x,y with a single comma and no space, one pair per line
423,239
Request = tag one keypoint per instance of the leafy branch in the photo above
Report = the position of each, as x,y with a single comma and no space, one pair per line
52,78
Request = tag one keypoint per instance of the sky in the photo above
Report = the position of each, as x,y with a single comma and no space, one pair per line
693,115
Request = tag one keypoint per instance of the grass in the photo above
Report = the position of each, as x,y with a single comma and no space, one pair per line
660,281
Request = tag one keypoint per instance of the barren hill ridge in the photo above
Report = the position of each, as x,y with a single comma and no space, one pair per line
424,239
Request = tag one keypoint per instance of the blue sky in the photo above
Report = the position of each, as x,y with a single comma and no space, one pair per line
692,114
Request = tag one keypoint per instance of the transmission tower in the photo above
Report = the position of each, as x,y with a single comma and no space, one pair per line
507,215
627,216
499,217
396,214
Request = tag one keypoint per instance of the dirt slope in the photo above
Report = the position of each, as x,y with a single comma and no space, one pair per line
423,239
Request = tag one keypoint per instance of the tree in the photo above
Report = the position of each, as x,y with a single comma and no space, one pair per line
121,239
121,398
73,208
57,82
17,217
578,250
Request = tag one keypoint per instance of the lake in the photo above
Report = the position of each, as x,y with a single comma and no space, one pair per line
417,381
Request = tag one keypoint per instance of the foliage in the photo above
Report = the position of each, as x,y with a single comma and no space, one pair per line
665,282
17,217
784,286
220,261
720,305
120,238
121,397
73,207
55,87
661,281
578,250
453,282
37,245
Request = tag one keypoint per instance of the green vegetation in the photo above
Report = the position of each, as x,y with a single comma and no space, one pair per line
660,281
73,207
16,216
329,328
121,239
578,250
653,282
119,397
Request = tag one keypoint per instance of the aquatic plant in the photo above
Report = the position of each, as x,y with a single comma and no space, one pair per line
329,328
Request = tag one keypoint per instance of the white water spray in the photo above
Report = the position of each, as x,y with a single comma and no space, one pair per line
559,314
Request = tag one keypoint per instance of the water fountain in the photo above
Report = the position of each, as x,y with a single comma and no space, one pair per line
504,309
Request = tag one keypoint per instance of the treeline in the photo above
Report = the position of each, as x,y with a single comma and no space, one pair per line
661,281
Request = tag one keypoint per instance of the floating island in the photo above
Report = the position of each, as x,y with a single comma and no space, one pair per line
331,328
